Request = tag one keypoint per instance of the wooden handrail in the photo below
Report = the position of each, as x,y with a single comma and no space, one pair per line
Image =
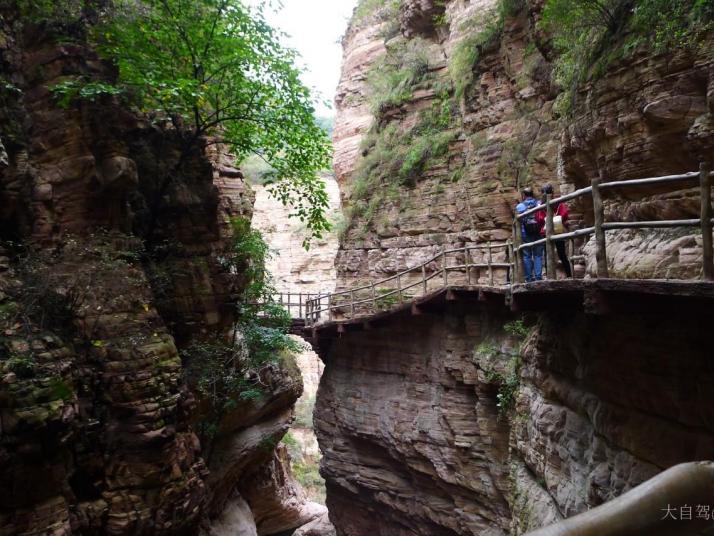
513,248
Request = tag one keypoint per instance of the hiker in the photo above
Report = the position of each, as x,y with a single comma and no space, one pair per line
530,232
560,225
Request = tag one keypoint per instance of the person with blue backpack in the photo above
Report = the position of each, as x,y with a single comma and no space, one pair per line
530,232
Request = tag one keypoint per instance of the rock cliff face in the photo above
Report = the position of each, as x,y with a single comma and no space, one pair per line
411,439
447,423
292,266
96,416
647,115
460,422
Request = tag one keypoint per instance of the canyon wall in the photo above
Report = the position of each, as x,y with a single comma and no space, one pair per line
293,267
447,423
647,115
108,274
464,421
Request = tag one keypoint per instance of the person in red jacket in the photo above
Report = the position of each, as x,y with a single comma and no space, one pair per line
560,209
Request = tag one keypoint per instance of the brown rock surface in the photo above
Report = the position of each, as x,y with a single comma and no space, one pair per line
414,443
276,500
407,412
410,434
646,116
294,268
96,418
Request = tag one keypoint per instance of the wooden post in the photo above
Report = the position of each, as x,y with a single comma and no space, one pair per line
549,244
299,304
374,299
490,261
329,307
467,258
706,223
423,277
571,253
599,216
399,288
352,302
512,272
443,266
518,276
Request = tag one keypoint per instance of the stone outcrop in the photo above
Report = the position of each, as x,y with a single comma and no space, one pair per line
319,527
411,439
276,500
110,264
463,422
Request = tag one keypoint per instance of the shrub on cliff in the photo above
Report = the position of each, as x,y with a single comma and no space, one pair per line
482,32
588,35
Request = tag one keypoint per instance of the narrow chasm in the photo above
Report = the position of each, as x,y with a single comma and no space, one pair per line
298,276
474,300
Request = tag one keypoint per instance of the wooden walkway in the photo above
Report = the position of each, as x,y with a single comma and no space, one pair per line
491,272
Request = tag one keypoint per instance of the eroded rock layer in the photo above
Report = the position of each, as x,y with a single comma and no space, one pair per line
110,262
410,436
440,424
647,115
457,423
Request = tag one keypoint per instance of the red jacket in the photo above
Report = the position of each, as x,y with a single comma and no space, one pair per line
560,210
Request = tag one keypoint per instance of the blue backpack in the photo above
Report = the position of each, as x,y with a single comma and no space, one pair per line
530,222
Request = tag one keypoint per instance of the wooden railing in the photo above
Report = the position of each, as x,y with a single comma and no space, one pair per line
417,281
505,257
296,303
596,190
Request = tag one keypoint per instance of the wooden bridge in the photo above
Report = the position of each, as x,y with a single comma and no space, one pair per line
491,272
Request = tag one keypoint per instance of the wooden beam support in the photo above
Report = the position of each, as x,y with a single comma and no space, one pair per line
599,216
549,243
518,276
515,304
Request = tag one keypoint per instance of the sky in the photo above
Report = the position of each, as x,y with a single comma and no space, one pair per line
314,28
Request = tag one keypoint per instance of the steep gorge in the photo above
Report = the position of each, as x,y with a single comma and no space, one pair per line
472,419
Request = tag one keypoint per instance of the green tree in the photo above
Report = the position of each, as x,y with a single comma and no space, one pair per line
216,72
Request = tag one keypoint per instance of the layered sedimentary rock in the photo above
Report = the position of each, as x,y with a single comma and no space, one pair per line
647,115
449,423
294,268
110,264
411,439
595,393
408,412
